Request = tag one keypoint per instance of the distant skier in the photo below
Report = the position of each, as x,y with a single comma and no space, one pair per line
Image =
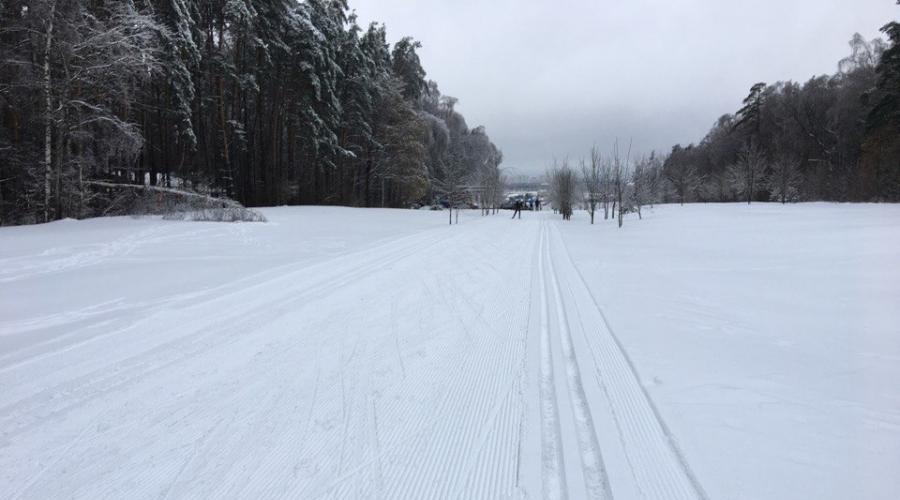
537,204
517,207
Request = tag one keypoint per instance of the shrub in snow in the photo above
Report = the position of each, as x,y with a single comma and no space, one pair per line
218,214
173,204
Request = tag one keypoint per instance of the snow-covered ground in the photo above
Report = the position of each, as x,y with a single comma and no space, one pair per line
769,337
708,351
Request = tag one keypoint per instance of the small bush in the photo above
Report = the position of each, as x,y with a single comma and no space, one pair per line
172,204
217,214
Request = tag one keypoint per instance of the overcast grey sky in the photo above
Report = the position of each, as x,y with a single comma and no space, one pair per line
551,78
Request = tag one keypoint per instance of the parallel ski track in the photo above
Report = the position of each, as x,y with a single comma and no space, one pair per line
553,478
659,467
594,473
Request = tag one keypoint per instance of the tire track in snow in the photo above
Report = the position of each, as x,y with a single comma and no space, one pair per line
657,463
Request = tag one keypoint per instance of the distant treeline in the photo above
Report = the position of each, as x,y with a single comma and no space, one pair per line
832,138
263,101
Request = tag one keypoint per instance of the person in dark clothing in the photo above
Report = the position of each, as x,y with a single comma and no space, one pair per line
537,203
518,209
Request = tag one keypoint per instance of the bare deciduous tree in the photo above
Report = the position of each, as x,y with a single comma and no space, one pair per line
620,175
784,180
684,180
639,185
750,171
452,184
593,181
563,185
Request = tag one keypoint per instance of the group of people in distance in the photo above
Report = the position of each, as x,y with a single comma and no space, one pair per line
533,204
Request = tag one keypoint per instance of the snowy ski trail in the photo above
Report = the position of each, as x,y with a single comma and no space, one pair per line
651,453
594,474
469,362
552,461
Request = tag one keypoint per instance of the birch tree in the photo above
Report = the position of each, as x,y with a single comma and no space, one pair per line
91,58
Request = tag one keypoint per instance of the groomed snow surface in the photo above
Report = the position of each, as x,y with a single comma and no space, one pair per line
708,351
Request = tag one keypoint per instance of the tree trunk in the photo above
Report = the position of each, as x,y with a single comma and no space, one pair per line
225,174
620,207
368,192
80,190
48,110
749,185
782,184
60,146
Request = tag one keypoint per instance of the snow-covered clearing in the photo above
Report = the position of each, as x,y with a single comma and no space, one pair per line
704,352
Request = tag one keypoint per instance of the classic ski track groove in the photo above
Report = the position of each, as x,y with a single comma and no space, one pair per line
553,477
659,467
593,470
